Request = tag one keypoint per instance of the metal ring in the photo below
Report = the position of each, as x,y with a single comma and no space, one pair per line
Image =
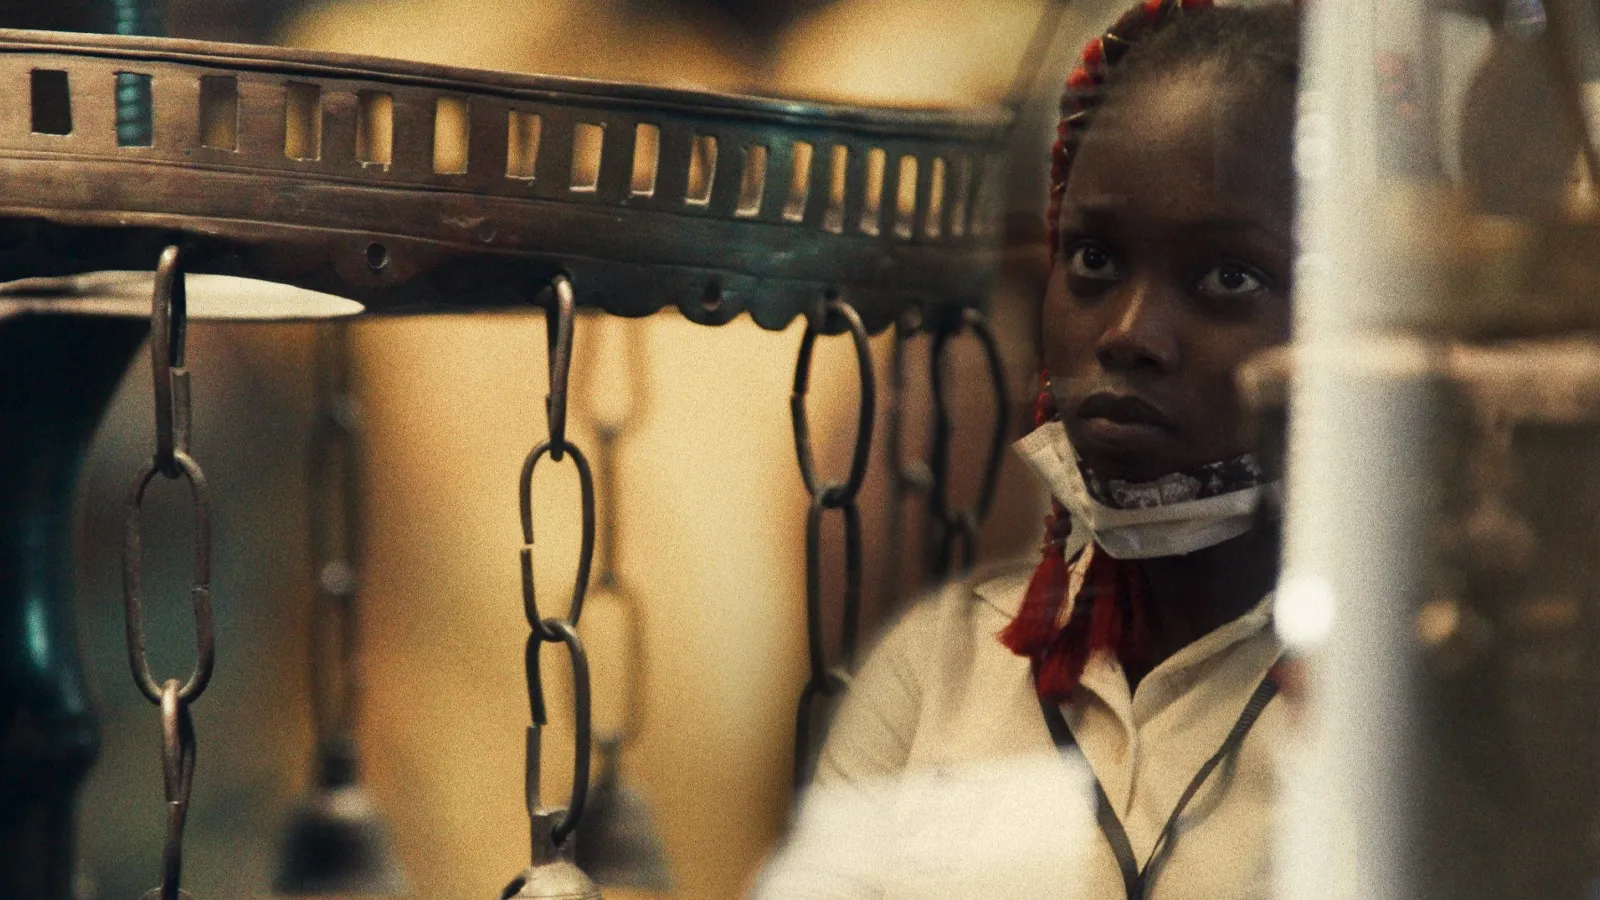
973,321
581,737
831,684
837,494
586,551
177,765
168,332
558,346
851,614
200,592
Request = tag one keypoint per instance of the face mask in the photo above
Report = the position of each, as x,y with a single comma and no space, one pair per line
1171,516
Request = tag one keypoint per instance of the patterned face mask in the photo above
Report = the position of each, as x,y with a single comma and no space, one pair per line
1176,514
1094,602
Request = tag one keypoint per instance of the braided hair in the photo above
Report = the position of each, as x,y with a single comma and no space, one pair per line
1155,37
1260,43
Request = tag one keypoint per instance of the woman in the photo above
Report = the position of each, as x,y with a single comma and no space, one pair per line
1143,638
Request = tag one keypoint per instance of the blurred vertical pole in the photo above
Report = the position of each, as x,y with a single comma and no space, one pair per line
57,374
1359,457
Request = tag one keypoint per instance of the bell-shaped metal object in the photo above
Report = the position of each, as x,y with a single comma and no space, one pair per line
617,840
553,875
337,842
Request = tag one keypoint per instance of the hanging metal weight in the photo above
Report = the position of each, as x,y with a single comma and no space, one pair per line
337,841
168,324
552,873
828,682
955,525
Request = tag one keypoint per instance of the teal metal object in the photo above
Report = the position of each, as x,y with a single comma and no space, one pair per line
57,374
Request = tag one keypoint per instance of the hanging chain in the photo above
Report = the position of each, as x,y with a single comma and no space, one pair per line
827,681
559,327
333,479
960,525
909,477
168,326
611,429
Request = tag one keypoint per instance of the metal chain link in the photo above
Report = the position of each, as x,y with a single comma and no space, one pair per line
168,327
559,332
611,429
909,477
335,502
827,681
954,524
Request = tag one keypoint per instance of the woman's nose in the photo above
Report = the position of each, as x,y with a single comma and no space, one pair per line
1140,333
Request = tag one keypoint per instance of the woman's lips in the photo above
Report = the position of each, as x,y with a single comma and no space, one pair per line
1123,419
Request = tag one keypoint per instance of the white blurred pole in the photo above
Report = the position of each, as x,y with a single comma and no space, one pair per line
1358,455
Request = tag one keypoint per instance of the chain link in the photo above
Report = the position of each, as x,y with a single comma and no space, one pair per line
909,477
334,482
559,320
168,326
611,429
829,681
960,525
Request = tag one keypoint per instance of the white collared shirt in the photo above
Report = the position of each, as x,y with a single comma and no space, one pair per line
943,723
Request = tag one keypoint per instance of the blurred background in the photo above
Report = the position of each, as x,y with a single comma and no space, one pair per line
709,504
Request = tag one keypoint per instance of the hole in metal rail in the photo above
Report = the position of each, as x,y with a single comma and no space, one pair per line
646,160
702,170
794,207
374,128
377,257
52,101
905,205
522,143
302,121
588,145
838,188
872,200
963,188
135,120
984,197
754,183
934,224
450,136
219,112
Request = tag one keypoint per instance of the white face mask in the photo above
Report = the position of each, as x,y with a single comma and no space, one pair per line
1163,524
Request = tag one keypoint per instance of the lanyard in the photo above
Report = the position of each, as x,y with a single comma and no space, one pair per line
1135,879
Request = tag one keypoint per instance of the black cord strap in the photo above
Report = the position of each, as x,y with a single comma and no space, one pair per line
1136,879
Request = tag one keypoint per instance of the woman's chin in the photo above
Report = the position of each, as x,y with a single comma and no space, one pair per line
1128,451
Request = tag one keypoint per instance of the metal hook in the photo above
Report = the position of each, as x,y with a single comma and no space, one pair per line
558,344
838,494
169,318
949,519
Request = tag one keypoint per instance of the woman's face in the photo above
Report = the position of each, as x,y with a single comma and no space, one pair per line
1173,268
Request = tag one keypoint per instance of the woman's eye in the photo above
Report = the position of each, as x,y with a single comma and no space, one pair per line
1091,260
1231,280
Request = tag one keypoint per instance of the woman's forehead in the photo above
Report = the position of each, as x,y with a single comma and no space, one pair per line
1189,147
